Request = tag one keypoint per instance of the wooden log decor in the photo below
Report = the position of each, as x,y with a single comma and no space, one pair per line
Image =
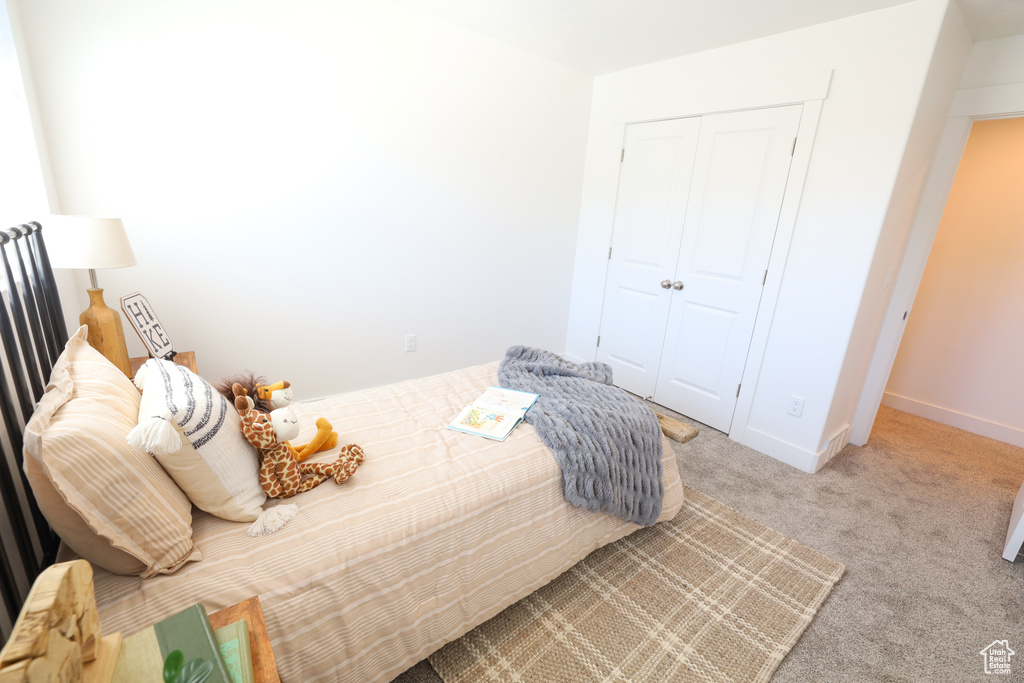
57,636
676,430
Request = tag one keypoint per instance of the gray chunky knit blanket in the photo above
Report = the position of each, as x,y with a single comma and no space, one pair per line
607,442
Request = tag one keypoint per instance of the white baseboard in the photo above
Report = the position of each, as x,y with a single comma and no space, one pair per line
969,423
806,461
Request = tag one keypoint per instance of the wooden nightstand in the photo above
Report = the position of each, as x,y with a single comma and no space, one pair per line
184,358
264,666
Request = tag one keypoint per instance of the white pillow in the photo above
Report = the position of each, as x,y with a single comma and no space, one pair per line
196,436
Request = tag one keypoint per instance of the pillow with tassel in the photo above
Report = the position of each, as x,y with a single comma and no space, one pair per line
196,435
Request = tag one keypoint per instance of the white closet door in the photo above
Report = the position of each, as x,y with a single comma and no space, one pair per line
738,185
650,208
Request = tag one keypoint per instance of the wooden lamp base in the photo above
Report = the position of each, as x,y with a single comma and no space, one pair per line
106,334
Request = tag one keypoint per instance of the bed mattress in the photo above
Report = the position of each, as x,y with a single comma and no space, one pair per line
435,533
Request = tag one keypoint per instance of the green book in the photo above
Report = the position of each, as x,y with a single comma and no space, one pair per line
143,654
233,640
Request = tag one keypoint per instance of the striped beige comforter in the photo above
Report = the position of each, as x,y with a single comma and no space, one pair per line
435,533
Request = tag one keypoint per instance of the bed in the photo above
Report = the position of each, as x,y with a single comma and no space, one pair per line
436,532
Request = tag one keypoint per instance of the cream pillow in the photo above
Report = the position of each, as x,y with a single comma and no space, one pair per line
110,503
197,436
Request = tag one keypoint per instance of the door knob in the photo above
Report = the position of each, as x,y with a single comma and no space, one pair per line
677,285
665,284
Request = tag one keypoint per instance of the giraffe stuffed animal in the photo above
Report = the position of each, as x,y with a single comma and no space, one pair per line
279,395
281,476
268,397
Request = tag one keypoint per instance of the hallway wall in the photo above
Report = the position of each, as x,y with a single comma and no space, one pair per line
959,361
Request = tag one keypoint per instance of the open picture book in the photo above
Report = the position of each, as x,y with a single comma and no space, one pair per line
494,414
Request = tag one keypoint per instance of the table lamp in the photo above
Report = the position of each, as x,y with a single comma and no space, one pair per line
93,243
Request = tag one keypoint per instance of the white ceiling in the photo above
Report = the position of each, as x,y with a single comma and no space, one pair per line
600,36
990,19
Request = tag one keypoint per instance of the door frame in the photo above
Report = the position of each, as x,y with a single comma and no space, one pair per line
975,104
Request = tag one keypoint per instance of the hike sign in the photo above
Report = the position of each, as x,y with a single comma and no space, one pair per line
141,316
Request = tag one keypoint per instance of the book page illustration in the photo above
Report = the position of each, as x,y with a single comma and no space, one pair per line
482,420
494,414
506,400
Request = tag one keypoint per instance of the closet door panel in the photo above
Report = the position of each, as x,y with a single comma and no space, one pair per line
702,356
654,182
739,181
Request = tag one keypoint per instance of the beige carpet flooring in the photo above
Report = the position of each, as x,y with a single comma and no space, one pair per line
918,516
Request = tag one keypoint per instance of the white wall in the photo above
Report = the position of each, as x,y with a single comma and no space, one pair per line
306,182
970,377
947,65
26,183
22,188
992,85
959,361
995,62
880,61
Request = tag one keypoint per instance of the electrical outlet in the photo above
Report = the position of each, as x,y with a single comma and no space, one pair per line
410,342
795,406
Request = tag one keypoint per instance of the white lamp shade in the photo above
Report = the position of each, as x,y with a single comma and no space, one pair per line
87,242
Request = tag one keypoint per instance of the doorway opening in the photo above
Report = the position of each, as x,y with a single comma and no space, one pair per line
959,358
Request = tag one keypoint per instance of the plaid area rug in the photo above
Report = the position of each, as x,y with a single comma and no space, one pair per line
711,595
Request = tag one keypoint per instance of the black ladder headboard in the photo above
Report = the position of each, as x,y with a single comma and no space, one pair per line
33,334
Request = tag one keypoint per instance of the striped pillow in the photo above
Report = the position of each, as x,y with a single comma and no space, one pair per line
197,436
115,506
